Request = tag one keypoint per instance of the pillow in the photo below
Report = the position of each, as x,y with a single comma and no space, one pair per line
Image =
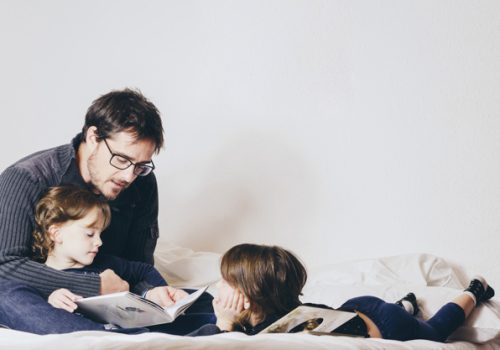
183,267
411,269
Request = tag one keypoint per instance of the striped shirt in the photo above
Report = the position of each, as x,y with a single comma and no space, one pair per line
132,234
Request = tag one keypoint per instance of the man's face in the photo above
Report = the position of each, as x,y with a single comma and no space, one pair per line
108,180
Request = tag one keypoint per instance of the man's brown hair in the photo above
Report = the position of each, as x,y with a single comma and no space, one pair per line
125,110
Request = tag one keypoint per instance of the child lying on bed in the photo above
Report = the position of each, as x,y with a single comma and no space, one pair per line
260,284
69,222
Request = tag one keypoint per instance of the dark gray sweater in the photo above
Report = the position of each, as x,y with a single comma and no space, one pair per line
132,234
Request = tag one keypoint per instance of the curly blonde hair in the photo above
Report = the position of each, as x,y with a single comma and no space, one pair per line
62,204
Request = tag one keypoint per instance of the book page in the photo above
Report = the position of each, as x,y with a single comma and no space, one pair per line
323,320
123,309
182,305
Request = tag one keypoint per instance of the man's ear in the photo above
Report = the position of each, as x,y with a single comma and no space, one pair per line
55,234
92,137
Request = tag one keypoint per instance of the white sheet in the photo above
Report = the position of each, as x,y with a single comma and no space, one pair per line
152,341
428,276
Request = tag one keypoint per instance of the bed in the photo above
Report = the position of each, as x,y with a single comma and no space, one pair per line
431,278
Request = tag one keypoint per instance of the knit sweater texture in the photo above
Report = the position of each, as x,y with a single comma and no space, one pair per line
132,234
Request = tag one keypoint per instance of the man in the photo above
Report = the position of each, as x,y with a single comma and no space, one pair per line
112,157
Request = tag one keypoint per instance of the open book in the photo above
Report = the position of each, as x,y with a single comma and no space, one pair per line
128,310
315,320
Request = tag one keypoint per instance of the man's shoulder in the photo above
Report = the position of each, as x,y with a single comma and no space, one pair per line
47,165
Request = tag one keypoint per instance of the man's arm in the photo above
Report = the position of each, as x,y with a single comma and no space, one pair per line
19,192
139,275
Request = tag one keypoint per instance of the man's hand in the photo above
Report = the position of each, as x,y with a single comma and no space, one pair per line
112,283
228,310
63,299
165,296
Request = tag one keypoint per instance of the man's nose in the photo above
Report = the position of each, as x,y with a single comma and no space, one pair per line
128,174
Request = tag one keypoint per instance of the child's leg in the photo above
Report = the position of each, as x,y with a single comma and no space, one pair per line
23,308
466,302
395,323
453,314
391,320
442,324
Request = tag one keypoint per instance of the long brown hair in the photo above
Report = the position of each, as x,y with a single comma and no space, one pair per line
271,278
59,205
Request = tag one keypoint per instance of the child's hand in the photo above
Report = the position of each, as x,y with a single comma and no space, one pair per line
176,293
165,296
228,310
63,299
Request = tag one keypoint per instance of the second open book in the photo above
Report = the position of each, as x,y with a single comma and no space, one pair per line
316,320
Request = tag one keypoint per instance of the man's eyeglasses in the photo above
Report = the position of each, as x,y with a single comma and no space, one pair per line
122,163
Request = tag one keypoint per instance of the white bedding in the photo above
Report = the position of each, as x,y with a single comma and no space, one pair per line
153,341
429,277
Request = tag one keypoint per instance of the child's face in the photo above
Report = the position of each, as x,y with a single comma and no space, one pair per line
77,242
224,289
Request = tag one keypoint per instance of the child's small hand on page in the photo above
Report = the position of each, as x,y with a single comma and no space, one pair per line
228,310
165,296
176,294
63,299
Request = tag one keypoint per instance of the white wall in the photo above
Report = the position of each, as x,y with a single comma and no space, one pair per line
339,129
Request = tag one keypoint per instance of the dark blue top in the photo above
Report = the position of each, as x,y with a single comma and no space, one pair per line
211,329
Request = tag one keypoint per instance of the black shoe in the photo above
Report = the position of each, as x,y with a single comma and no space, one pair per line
412,299
477,288
488,294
